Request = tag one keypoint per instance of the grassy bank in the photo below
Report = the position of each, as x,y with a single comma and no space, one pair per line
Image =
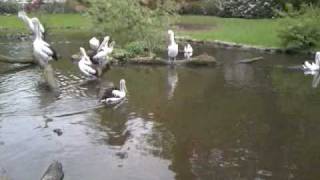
252,32
59,22
261,32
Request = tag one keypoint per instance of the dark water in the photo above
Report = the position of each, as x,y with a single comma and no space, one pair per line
234,121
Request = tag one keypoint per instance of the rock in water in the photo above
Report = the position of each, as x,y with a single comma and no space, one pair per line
3,174
50,79
54,172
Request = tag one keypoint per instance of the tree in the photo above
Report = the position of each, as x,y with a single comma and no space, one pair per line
128,21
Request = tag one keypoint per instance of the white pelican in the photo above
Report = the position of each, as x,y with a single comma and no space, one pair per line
94,43
173,46
188,51
103,51
85,64
28,21
313,66
115,95
42,51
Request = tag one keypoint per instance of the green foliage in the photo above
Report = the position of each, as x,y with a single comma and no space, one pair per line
297,4
9,8
55,8
136,48
302,33
127,21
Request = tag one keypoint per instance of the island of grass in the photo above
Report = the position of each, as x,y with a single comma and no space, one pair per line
261,32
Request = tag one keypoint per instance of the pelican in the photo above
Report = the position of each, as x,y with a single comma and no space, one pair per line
173,46
42,51
94,43
313,66
115,95
103,51
188,51
85,64
28,21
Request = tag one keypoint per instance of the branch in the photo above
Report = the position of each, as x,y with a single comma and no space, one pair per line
7,59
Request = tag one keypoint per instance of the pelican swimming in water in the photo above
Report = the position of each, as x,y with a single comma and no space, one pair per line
104,50
188,51
29,22
115,95
173,46
94,43
313,66
42,51
85,64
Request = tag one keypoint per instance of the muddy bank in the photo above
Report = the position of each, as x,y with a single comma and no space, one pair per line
245,47
201,60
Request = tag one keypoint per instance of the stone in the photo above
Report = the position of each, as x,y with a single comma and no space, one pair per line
54,172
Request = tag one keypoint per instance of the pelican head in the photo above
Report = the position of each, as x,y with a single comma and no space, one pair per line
170,32
22,14
94,43
123,87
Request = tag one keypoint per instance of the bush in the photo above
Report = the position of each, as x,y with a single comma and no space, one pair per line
297,4
136,48
56,8
9,8
302,33
127,21
192,8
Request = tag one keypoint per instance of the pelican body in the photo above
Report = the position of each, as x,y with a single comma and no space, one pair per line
313,66
173,46
42,51
188,51
103,51
115,95
85,64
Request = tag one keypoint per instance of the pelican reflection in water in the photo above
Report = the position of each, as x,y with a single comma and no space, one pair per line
172,81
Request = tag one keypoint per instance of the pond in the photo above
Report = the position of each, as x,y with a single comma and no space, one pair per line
233,121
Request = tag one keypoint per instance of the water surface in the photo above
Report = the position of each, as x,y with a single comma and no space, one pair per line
234,121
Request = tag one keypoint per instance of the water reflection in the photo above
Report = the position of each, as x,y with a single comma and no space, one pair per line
172,81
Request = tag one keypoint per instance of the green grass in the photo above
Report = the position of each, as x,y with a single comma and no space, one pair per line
64,22
260,32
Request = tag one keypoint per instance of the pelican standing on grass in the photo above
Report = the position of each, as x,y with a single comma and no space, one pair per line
85,64
188,51
313,66
115,95
28,21
42,51
173,47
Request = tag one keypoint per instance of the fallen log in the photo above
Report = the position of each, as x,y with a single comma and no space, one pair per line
54,172
7,59
250,60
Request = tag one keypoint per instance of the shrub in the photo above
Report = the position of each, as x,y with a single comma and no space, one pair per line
136,48
127,21
302,33
56,8
9,8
